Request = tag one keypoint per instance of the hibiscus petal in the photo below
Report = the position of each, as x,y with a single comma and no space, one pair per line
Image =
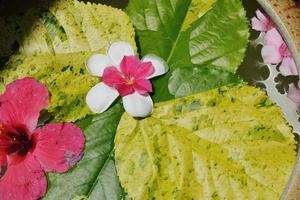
160,66
138,105
100,97
273,38
258,25
25,181
288,67
129,65
142,86
97,63
59,146
118,50
3,164
271,55
144,70
27,97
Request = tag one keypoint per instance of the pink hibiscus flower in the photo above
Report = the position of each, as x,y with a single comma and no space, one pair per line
262,22
25,150
276,51
126,75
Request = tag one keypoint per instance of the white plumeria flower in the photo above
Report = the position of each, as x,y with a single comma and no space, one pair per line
123,74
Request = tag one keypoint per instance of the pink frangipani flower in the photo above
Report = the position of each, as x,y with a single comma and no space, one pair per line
276,51
294,93
262,22
25,150
124,74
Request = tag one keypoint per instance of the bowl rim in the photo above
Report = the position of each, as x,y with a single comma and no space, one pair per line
293,188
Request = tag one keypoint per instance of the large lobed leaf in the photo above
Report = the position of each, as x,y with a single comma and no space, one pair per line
94,177
57,46
191,34
227,143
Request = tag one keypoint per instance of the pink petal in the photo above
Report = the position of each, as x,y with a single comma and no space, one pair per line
125,89
294,94
288,67
261,16
58,146
144,70
271,54
258,25
24,181
129,65
112,77
27,97
142,86
3,164
273,38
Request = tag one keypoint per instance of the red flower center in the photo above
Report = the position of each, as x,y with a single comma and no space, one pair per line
15,140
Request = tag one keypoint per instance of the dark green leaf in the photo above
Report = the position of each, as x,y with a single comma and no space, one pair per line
94,176
185,81
216,39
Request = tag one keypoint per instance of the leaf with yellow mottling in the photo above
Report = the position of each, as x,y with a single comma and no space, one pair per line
57,47
228,143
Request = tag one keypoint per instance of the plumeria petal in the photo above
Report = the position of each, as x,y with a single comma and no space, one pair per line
273,38
124,89
160,66
118,50
258,25
100,97
143,86
261,16
144,70
97,63
112,77
25,181
129,65
138,105
58,146
294,93
271,54
288,67
27,98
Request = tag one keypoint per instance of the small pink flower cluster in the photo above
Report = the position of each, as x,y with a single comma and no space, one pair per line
275,51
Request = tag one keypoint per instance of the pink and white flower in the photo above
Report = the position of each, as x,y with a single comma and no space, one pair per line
25,150
276,51
123,74
262,22
294,93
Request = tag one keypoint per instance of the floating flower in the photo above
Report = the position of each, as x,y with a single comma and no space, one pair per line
25,151
276,51
262,22
123,74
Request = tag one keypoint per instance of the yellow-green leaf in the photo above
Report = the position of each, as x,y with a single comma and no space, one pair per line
197,9
57,47
227,143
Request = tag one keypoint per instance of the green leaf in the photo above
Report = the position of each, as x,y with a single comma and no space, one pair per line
57,47
227,143
191,33
94,177
185,81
